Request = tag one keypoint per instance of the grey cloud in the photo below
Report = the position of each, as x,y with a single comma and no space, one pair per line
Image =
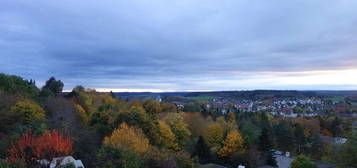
173,44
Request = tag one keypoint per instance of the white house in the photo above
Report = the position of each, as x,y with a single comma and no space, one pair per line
340,140
159,99
61,161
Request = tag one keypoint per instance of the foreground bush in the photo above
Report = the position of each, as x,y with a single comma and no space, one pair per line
109,157
168,159
17,164
302,162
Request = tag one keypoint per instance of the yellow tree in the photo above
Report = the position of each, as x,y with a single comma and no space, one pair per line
82,114
227,125
215,134
126,137
179,128
166,136
232,144
231,117
26,111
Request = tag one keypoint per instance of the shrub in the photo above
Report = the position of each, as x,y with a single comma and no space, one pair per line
109,157
302,162
30,148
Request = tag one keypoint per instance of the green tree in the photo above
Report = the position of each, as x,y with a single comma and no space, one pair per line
316,148
79,88
202,150
6,164
192,107
335,127
264,121
135,116
265,145
298,110
68,165
105,119
250,133
183,160
14,84
302,162
163,158
270,159
109,157
284,135
52,87
76,91
299,137
346,154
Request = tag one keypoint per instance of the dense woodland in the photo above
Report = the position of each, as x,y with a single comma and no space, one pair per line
103,131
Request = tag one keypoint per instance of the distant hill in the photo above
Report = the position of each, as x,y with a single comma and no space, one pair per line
254,94
337,92
148,94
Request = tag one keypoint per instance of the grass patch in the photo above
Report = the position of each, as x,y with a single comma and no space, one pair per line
337,99
201,98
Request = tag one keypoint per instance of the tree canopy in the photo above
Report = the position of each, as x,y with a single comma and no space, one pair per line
232,144
14,84
27,111
52,87
302,162
30,148
128,138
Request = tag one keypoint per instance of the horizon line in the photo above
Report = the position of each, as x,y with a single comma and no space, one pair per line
190,91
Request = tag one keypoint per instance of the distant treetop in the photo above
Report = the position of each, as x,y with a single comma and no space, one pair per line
52,87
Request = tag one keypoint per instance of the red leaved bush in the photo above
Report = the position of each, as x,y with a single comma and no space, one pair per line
30,149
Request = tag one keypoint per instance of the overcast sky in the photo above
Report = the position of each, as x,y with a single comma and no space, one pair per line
182,45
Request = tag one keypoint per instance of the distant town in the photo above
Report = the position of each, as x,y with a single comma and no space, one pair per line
278,103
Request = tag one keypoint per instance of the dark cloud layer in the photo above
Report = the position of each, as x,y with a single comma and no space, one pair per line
177,45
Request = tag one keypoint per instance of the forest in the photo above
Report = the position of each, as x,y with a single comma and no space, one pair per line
104,131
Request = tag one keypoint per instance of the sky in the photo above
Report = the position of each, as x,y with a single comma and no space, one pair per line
182,45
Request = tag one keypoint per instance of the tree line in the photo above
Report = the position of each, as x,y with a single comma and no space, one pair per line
103,131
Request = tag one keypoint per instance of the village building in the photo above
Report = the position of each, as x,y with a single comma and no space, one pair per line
62,161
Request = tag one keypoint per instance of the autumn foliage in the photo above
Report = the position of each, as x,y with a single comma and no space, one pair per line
30,148
27,111
232,144
129,138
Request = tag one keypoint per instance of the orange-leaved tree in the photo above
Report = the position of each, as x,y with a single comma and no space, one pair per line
30,148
